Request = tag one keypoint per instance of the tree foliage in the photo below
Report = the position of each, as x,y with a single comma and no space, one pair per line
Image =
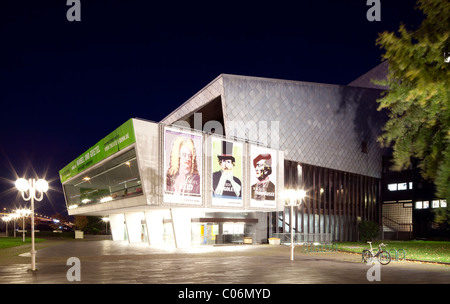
368,230
81,222
418,99
89,224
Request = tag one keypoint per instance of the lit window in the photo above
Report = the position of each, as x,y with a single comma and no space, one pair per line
426,204
410,185
392,187
435,204
117,178
418,205
402,186
443,203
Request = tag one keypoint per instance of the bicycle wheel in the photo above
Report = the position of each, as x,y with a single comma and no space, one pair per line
384,257
366,256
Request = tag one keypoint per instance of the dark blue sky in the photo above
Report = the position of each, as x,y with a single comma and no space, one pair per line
65,85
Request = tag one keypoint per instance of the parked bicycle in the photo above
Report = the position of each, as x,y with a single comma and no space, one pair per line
382,256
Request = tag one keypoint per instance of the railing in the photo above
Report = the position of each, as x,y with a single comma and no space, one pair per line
304,237
247,238
396,225
397,228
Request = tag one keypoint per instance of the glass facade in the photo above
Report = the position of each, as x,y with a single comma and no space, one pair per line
116,179
336,202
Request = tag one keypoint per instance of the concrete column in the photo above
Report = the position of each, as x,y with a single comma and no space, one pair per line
117,226
181,221
155,226
134,226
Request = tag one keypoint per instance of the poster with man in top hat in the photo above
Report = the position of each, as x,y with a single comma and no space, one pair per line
227,173
263,177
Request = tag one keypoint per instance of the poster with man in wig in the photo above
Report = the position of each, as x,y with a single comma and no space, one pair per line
182,167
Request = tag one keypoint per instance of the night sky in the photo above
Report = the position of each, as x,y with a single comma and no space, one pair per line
65,85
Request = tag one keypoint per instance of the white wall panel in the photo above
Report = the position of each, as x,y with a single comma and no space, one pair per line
117,226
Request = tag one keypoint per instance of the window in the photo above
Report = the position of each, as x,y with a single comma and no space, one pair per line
233,228
400,186
422,205
392,187
443,203
116,179
435,204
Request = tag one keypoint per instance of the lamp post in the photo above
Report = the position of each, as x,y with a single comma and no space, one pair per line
6,219
35,190
23,213
295,199
106,221
13,216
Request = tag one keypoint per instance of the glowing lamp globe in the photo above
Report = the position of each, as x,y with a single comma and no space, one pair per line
22,184
41,185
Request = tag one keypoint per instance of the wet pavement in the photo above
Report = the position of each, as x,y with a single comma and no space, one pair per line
107,262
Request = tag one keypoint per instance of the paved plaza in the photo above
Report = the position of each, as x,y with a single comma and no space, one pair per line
105,261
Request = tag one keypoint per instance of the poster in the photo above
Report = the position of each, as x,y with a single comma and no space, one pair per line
226,173
263,177
182,167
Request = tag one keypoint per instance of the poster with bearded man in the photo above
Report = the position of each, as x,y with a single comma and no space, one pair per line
263,177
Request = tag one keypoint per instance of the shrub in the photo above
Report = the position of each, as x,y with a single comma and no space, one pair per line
368,230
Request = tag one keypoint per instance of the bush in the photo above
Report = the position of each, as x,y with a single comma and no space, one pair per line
368,230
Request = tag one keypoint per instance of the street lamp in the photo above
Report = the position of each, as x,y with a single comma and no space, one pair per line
14,216
106,220
35,190
23,213
295,199
6,219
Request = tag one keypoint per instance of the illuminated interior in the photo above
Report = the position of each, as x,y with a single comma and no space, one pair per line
116,179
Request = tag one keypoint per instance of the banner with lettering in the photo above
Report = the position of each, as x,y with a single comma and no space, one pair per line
117,140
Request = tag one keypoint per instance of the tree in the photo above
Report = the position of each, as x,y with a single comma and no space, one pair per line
418,99
89,224
81,222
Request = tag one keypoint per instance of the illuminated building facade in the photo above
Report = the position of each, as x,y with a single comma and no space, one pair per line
214,170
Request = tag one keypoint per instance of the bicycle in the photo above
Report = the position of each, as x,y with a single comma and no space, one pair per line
383,256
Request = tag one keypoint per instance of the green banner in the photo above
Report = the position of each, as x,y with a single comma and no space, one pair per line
120,138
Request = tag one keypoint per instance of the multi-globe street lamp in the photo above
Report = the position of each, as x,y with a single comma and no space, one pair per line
32,190
294,198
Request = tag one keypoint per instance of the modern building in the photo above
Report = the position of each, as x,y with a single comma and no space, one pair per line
172,185
272,134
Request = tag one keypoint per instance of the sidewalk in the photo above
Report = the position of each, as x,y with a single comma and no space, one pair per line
119,262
